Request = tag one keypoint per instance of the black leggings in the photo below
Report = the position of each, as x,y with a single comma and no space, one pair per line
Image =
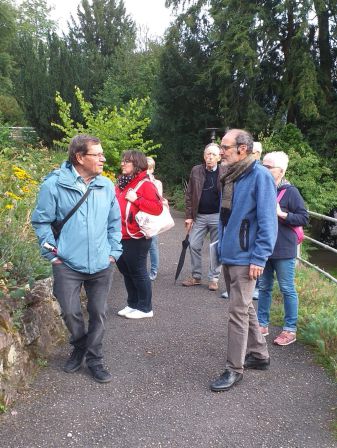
133,265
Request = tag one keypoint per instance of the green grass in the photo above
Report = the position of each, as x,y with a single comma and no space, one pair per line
317,323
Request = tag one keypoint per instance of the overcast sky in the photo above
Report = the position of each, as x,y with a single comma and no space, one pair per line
151,13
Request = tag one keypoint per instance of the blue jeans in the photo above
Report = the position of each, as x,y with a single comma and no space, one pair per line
285,273
154,255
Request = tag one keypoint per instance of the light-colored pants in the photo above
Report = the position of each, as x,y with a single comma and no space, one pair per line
202,225
244,334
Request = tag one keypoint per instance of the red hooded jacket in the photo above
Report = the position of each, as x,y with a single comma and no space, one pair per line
148,201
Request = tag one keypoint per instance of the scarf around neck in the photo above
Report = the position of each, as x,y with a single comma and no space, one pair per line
232,173
124,180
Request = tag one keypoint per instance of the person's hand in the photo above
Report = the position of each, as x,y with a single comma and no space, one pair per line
188,224
57,261
255,271
280,213
112,260
131,195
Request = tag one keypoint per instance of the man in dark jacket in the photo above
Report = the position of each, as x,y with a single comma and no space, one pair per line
247,235
202,201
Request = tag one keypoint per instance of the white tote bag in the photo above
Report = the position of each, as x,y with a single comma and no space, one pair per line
150,225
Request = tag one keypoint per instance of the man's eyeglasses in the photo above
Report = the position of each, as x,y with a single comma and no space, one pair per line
100,155
225,147
269,167
126,161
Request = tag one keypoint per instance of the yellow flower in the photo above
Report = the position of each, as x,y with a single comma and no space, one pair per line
110,175
11,195
9,206
19,173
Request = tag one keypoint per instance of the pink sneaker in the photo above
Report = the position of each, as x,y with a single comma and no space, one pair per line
285,338
264,331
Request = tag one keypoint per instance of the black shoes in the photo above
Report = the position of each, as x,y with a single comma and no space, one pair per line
226,381
256,363
75,360
99,374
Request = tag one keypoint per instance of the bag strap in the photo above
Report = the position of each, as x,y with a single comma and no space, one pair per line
73,210
127,210
281,194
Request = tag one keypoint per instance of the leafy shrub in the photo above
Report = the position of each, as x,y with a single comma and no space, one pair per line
118,129
307,171
176,196
20,175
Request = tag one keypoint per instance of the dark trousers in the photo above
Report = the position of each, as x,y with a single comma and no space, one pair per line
132,264
67,288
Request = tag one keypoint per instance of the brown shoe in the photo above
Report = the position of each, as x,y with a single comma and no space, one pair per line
213,286
191,281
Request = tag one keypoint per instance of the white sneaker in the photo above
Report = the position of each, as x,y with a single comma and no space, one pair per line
125,311
137,314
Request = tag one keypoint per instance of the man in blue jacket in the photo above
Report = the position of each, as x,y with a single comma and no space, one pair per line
85,251
247,235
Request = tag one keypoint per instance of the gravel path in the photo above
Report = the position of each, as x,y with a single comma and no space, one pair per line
160,396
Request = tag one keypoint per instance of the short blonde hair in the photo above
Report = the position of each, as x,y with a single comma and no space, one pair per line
279,158
151,164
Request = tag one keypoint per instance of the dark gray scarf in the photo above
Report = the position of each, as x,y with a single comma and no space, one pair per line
229,177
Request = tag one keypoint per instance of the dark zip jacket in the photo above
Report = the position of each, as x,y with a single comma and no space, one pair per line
293,204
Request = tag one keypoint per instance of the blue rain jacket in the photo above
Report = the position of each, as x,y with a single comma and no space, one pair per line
92,234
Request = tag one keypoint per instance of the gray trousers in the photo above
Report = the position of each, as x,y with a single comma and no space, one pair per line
244,334
67,288
202,225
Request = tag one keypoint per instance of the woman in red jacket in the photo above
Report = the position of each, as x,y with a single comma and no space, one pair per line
132,263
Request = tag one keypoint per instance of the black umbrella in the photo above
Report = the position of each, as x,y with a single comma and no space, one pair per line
181,261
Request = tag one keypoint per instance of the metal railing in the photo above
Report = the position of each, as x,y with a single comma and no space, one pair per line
318,243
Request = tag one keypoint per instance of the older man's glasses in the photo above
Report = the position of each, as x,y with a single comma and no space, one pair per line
99,155
226,147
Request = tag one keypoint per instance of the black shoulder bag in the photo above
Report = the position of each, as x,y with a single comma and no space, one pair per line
56,226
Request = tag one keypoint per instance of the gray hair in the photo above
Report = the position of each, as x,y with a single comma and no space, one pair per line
244,138
279,158
215,146
79,144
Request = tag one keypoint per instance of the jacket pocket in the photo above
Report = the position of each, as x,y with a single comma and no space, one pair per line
244,235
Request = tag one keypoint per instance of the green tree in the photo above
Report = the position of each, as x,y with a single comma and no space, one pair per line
119,129
133,75
103,29
7,33
184,100
306,170
34,19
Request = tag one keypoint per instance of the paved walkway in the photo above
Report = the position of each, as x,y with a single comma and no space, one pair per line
160,395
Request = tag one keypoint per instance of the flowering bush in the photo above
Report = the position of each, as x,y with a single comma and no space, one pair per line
20,176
